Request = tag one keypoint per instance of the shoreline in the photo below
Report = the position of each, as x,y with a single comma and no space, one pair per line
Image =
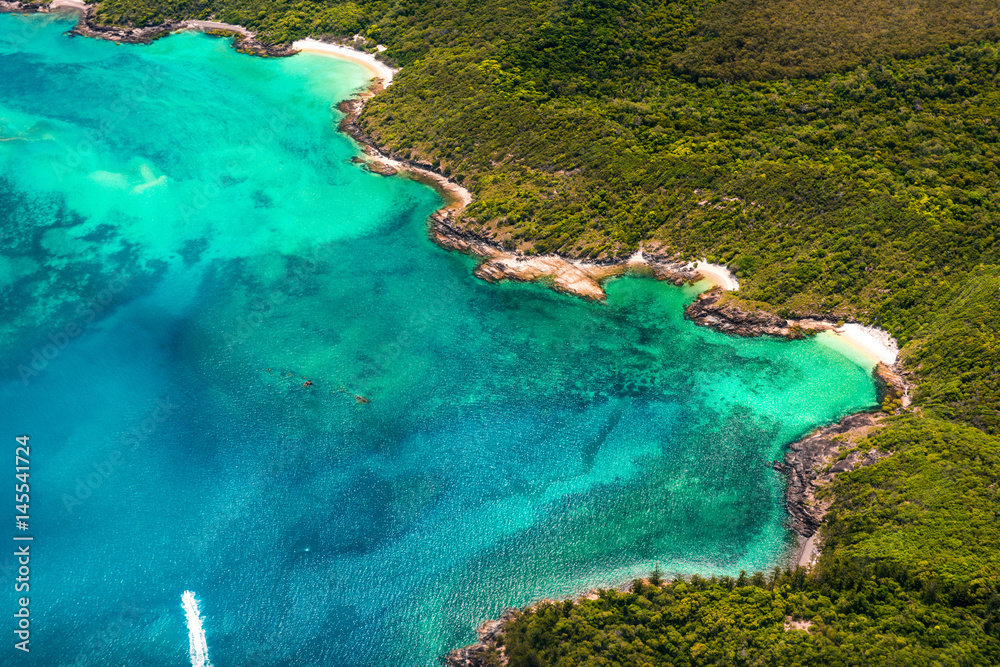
245,41
382,72
569,275
810,463
718,275
871,342
565,274
79,5
573,276
853,339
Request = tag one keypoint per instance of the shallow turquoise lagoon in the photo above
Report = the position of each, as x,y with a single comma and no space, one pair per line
184,244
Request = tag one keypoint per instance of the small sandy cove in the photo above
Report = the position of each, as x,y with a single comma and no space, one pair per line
872,343
378,68
72,4
573,276
718,275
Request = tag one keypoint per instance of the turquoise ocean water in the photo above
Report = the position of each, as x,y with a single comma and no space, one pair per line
184,243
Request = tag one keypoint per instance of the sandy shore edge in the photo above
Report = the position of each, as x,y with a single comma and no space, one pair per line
718,275
871,342
379,69
575,276
71,4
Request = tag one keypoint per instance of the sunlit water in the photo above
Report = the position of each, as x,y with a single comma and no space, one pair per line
186,244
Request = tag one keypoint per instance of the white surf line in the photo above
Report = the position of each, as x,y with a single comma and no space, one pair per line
196,633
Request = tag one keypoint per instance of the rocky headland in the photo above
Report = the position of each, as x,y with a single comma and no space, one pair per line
711,309
487,650
810,464
87,26
814,461
572,276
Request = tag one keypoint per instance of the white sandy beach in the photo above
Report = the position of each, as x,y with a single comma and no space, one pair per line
873,344
809,553
72,4
718,275
379,69
868,343
459,197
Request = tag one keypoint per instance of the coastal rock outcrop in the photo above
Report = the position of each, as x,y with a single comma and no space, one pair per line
813,462
22,7
383,162
87,26
485,652
890,383
810,464
352,109
711,310
571,276
244,40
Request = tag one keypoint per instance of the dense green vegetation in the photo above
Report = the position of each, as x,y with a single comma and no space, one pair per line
842,158
589,127
860,194
708,622
743,39
274,21
958,353
932,507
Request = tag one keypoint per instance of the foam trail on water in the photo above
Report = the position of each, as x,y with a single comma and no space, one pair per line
196,633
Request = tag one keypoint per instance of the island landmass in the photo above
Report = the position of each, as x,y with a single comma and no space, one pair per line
841,164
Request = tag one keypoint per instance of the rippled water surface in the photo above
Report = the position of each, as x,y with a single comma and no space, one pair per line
185,244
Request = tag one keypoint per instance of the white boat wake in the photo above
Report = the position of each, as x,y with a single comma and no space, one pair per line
196,633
